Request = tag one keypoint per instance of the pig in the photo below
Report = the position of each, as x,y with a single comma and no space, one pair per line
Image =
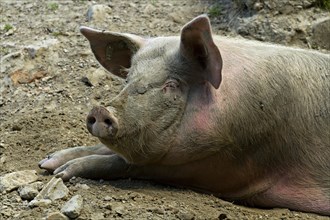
244,120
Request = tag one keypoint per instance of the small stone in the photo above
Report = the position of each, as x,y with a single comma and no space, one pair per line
257,6
40,47
132,5
56,216
97,216
40,203
321,33
73,207
82,186
149,9
119,209
158,211
86,81
108,206
14,180
175,16
94,77
108,198
3,159
185,215
98,13
222,216
29,192
54,189
10,32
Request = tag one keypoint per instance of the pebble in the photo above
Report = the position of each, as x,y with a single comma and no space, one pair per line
36,49
98,12
30,191
72,208
82,186
56,216
159,211
185,215
108,198
119,209
97,216
149,9
321,33
12,181
39,203
54,189
3,159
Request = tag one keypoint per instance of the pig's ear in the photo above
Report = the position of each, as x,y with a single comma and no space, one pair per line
197,45
113,50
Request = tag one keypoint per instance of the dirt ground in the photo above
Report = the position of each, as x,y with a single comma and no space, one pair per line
49,81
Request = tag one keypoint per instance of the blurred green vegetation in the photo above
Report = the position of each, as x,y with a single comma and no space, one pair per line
325,4
53,6
7,27
214,10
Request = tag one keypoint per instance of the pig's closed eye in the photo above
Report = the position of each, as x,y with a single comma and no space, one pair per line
171,85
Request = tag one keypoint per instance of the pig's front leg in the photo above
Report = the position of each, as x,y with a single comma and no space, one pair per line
109,167
57,159
94,167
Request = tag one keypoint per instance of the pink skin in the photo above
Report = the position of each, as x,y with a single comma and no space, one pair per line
288,193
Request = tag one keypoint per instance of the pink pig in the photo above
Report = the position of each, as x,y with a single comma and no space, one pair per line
244,120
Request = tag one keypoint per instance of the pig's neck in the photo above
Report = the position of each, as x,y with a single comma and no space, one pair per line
199,127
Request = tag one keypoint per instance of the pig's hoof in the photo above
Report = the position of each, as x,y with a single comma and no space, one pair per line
67,170
57,159
49,164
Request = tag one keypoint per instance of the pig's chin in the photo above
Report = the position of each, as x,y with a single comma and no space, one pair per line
130,155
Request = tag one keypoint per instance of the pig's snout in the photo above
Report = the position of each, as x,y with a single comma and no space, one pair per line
102,123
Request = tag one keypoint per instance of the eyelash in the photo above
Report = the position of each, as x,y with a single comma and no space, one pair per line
171,84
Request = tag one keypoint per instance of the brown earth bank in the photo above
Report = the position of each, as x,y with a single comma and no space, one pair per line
49,80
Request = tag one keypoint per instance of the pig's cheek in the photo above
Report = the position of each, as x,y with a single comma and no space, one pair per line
174,97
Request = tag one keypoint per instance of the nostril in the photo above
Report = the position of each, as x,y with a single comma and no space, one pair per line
108,122
91,120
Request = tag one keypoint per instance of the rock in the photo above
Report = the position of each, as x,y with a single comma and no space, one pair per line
94,77
73,207
222,216
185,215
3,160
149,9
29,192
98,13
39,203
56,216
320,33
158,210
108,198
39,47
82,186
54,189
97,216
21,76
176,17
14,180
119,209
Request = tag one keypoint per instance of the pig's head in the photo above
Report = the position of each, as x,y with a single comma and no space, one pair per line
163,77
